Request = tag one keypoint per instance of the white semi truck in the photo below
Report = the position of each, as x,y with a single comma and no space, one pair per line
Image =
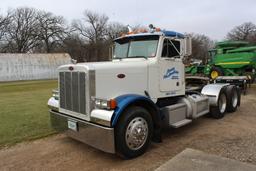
121,106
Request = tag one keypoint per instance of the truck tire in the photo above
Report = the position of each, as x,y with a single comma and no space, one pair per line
133,132
215,72
239,96
232,98
218,111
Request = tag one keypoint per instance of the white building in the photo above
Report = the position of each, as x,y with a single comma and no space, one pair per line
15,66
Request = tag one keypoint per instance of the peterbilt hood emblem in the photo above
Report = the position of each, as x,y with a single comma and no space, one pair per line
121,76
71,68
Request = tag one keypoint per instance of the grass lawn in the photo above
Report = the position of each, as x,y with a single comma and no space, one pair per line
23,110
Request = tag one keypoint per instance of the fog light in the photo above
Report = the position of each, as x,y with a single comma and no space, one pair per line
98,102
55,94
104,104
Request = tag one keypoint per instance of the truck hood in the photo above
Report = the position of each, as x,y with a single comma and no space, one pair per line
133,80
109,66
117,77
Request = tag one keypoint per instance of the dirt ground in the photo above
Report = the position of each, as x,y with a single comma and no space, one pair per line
233,137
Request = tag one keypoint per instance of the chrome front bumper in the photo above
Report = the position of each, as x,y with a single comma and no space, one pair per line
94,135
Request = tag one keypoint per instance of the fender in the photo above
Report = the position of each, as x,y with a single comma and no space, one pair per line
124,101
213,91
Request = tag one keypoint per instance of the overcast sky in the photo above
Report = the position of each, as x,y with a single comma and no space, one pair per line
213,18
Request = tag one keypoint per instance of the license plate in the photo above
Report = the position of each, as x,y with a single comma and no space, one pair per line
72,125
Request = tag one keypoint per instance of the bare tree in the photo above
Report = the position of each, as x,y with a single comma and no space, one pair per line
245,32
115,29
52,30
92,27
76,47
4,22
201,44
22,35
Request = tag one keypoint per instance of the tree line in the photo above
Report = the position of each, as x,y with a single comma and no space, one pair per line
29,30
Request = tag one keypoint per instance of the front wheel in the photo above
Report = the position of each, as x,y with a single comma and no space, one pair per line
133,132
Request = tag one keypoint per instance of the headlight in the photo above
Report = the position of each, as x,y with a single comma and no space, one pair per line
98,102
105,104
55,94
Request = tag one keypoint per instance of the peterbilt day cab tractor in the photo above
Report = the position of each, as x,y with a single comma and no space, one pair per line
120,106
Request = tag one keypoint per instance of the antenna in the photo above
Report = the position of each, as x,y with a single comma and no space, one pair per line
129,28
73,61
151,28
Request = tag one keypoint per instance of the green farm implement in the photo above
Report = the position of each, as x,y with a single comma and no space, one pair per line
228,58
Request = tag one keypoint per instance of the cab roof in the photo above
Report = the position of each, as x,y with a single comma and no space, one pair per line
160,33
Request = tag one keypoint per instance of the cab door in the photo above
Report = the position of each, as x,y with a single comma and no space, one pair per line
171,68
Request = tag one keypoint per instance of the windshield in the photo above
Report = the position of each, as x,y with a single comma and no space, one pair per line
212,54
137,46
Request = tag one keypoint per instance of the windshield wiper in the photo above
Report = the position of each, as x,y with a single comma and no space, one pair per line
138,57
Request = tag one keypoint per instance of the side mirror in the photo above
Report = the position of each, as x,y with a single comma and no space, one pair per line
187,46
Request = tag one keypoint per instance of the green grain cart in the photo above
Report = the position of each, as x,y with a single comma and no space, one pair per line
229,58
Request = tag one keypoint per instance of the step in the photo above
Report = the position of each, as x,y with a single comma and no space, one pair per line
181,123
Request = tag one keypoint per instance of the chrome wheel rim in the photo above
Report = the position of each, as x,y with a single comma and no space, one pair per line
222,103
136,133
235,99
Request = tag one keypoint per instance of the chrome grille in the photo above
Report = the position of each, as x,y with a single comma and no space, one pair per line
82,91
72,91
